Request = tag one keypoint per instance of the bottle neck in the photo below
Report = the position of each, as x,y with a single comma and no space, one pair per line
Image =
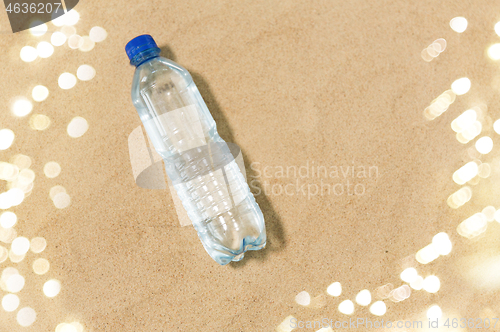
145,56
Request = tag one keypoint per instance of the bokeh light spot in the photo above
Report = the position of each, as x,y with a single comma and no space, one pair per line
10,302
303,298
364,297
41,266
51,288
346,307
15,283
8,219
77,326
8,171
56,190
26,316
68,31
7,235
21,161
409,274
75,41
65,327
39,122
15,196
432,51
20,245
460,197
441,42
38,28
52,169
38,244
67,81
40,93
442,244
6,138
497,216
61,200
286,324
378,308
426,56
22,107
87,44
427,254
461,86
494,52
384,291
4,254
334,289
464,120
77,127
7,272
45,49
71,17
434,312
484,170
496,126
58,38
85,73
458,24
489,213
399,294
25,177
28,54
97,34
465,173
431,284
484,145
16,258
57,21
473,226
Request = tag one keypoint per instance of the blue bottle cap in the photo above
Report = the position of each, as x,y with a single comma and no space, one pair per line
139,44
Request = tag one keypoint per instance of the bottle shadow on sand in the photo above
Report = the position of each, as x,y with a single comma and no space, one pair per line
276,239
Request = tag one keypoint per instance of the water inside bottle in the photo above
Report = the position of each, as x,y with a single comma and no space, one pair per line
206,177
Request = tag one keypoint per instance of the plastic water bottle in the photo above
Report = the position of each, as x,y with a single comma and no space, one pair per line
198,162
